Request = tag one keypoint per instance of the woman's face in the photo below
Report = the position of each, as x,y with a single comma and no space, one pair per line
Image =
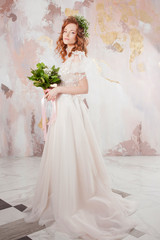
69,34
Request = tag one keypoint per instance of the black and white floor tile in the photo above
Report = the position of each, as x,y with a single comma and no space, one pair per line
135,178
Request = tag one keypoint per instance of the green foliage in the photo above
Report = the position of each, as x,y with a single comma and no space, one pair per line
44,77
83,23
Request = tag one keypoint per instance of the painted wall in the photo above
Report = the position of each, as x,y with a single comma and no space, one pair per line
124,45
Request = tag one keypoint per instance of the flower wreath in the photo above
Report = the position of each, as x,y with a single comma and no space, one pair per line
83,23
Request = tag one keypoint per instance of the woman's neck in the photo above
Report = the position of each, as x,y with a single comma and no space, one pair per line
69,48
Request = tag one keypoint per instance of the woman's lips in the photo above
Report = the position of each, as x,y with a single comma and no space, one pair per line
66,39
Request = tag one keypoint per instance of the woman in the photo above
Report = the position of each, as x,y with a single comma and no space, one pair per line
72,192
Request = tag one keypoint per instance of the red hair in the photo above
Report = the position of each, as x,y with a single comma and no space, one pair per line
80,44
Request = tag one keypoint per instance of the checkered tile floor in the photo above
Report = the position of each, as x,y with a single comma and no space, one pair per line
14,227
18,178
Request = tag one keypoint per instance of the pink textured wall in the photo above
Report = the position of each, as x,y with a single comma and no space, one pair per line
124,45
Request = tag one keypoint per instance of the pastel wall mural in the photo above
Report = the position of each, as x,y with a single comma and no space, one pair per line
124,48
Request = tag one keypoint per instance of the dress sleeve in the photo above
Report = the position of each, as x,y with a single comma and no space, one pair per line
79,61
78,65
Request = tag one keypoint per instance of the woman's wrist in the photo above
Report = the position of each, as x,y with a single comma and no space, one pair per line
59,89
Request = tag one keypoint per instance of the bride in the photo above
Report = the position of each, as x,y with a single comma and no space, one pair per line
73,193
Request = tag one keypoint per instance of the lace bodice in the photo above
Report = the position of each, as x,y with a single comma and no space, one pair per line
73,69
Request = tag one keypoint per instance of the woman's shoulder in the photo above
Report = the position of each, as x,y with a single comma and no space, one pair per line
78,55
78,52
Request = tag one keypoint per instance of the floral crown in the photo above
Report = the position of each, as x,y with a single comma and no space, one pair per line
83,23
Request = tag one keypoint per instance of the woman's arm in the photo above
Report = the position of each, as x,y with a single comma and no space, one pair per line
81,88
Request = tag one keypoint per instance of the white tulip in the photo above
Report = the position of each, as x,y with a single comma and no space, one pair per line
54,85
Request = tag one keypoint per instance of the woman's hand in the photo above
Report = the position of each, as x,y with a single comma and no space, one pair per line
46,90
51,94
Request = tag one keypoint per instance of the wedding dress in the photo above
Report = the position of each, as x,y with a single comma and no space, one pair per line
73,193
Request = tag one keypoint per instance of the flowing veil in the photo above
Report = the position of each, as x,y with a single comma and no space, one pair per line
118,98
103,100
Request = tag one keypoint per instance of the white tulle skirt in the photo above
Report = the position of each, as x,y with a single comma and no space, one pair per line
73,193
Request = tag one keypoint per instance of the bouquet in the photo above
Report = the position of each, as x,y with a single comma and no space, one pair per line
45,77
